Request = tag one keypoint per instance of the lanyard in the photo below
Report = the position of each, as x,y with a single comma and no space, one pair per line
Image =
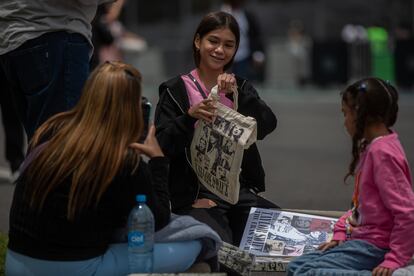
198,86
350,221
355,202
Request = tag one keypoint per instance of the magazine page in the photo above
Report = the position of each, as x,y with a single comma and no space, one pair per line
285,234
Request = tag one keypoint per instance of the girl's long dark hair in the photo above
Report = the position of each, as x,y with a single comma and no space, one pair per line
374,100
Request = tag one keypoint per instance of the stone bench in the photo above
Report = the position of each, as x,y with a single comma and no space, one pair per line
178,274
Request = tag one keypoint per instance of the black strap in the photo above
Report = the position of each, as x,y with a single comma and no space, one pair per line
198,86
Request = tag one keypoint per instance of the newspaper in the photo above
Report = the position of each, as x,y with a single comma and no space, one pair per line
217,149
235,259
284,234
243,262
270,264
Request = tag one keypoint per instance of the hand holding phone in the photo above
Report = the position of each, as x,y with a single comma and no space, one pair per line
150,147
146,114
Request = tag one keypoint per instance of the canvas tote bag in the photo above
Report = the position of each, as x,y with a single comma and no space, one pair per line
217,148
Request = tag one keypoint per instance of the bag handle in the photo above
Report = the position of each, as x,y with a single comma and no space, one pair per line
215,96
214,92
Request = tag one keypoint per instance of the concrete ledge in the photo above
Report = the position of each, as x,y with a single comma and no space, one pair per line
331,214
178,274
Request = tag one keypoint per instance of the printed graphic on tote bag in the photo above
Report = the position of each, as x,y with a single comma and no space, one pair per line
217,149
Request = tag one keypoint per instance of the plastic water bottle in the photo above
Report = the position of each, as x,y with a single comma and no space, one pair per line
141,237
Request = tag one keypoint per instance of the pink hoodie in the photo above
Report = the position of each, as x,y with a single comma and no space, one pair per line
386,202
194,95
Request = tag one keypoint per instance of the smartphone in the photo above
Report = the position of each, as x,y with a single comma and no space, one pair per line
146,114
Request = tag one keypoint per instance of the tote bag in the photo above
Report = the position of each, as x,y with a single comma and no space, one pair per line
217,148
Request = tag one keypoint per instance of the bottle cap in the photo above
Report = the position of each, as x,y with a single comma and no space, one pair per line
141,198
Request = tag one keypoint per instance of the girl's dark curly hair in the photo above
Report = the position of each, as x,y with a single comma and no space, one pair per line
374,100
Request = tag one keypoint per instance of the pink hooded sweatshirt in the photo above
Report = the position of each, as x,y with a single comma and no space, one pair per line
385,202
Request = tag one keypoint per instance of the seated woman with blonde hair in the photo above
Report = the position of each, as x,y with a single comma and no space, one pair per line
79,182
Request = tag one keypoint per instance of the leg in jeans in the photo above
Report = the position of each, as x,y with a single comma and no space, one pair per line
13,130
301,260
215,217
168,257
46,75
350,258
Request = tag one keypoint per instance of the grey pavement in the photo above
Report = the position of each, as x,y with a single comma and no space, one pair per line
306,157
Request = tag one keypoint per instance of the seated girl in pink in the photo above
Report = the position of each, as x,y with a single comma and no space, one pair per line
375,237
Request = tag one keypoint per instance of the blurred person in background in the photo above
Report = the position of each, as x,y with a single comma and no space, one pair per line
109,36
249,61
299,44
359,59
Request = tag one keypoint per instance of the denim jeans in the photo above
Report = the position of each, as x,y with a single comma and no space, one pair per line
45,76
13,129
351,258
168,258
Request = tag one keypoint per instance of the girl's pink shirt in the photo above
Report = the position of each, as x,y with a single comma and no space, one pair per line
194,95
386,202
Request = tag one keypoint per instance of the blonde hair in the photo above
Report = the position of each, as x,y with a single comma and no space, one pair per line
89,143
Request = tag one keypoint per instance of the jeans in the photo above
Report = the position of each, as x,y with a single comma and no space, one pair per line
168,258
351,258
45,76
404,271
13,130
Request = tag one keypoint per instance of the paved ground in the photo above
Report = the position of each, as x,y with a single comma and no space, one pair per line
305,158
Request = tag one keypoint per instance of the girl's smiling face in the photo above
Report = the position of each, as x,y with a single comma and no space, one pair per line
217,48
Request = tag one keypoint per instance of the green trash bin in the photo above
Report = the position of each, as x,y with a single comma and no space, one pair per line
382,60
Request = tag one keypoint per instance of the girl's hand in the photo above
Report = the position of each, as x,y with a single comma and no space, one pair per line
327,245
226,82
150,148
382,271
203,110
204,203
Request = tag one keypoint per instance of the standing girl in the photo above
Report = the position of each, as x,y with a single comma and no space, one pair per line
183,101
377,233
